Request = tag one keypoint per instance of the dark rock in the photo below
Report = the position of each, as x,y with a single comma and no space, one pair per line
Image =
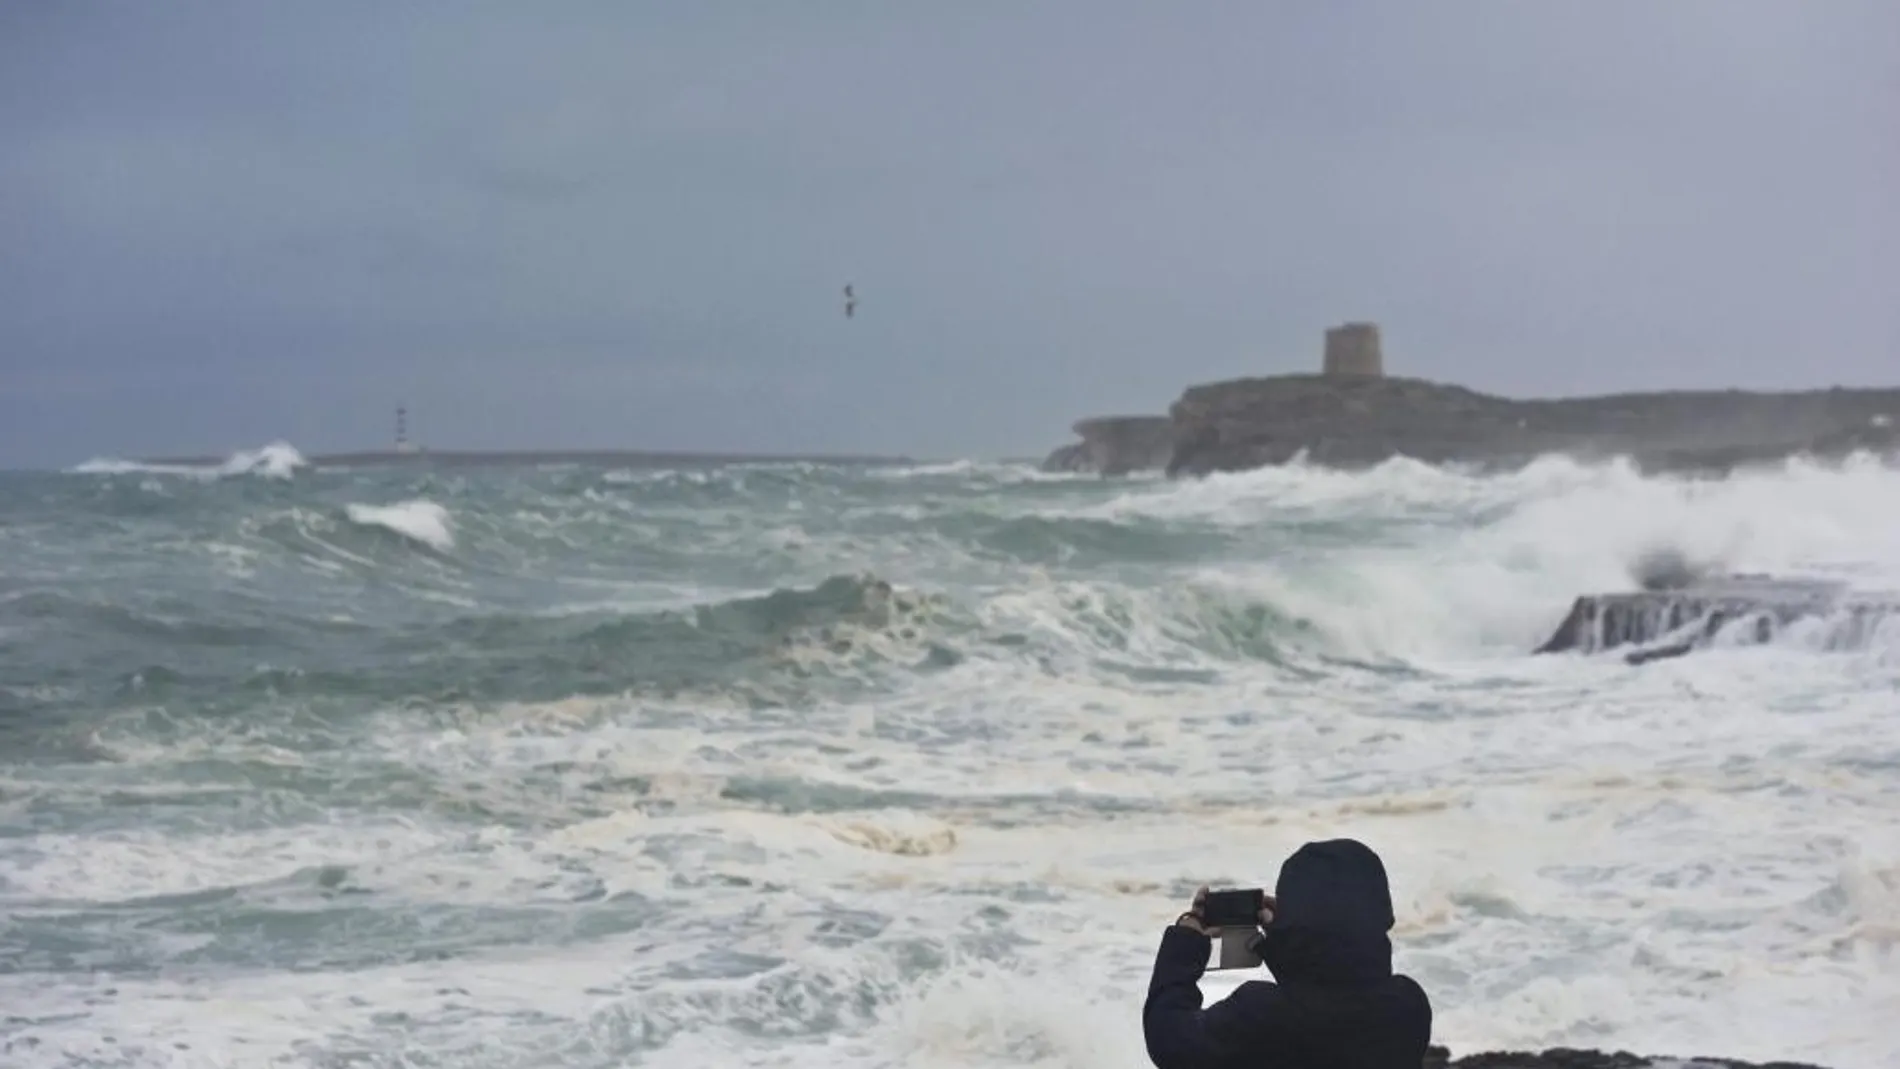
1568,1058
1683,612
1116,445
1668,568
1073,457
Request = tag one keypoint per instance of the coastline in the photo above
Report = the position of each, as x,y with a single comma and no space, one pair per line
1352,414
531,458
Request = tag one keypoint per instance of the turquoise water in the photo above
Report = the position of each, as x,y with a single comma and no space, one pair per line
801,765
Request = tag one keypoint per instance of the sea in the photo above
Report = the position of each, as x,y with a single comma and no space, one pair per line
855,766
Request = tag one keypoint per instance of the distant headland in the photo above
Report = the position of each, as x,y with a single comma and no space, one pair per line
1352,414
405,451
450,458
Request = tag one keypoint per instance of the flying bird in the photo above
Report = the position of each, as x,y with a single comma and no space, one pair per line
850,302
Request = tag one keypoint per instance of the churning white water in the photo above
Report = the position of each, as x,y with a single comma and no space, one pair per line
806,767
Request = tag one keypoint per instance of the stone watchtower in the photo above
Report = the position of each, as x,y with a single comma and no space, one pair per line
1352,350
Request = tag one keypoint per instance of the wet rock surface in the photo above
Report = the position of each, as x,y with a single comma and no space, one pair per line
1673,620
1568,1058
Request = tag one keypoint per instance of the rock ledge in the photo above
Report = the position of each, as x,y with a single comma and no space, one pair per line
1569,1058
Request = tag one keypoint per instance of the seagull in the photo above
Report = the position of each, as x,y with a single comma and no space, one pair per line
850,302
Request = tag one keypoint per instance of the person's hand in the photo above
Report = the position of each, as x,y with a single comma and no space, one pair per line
1191,920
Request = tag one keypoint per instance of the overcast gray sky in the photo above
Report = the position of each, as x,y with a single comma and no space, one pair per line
627,224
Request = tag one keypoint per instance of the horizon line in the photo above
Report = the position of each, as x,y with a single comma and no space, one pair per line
416,454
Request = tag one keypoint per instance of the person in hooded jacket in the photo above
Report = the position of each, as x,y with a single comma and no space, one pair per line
1336,1003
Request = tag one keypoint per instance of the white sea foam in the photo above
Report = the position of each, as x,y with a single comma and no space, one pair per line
423,521
1700,855
278,460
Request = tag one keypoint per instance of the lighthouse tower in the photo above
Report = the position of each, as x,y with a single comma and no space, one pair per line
403,444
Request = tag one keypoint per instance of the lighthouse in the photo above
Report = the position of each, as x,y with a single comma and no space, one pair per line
403,445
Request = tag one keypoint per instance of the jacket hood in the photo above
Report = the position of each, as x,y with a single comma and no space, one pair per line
1334,913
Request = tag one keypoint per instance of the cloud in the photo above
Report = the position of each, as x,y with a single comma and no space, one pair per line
297,211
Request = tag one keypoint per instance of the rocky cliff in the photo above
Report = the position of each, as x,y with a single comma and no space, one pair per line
1117,445
1359,421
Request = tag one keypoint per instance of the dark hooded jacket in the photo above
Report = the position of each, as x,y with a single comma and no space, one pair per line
1334,1003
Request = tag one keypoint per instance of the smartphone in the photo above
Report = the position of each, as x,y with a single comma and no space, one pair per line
1234,909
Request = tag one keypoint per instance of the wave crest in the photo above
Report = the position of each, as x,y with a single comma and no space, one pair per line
277,460
418,520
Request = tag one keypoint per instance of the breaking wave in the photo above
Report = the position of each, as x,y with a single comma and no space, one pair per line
278,460
422,521
869,768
